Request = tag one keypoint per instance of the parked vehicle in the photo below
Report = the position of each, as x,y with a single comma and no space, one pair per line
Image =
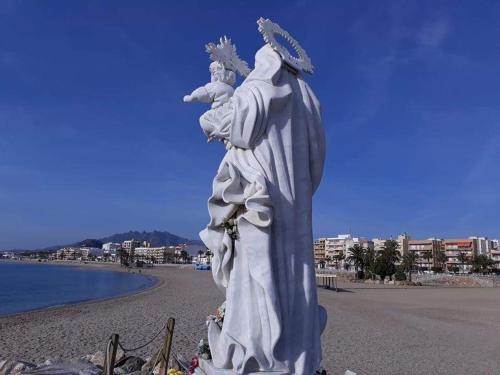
202,267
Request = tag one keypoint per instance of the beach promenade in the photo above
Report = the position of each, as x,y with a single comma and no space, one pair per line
371,330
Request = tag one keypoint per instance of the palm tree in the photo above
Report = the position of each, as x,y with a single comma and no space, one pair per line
208,254
357,258
388,256
409,261
338,258
390,251
328,260
123,256
482,263
428,256
184,256
369,260
463,259
441,259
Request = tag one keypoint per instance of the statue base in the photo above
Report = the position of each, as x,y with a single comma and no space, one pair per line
209,369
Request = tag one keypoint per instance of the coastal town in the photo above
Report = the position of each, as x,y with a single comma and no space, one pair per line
430,255
129,252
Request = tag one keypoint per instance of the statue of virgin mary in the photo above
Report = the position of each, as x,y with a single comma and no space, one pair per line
265,185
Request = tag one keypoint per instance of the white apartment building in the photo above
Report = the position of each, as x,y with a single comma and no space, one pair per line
483,245
161,254
319,251
335,246
72,253
111,247
378,244
403,241
495,253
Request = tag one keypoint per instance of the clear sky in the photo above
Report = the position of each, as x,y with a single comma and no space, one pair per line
95,138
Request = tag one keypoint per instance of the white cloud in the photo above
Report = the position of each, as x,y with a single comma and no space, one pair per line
433,33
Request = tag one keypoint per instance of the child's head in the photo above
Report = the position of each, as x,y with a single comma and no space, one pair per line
221,74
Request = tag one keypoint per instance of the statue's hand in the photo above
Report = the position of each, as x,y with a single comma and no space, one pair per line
187,98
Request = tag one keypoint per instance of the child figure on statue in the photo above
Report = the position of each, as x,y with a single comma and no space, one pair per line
218,90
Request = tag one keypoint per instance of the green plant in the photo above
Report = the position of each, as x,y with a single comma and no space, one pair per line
400,274
463,259
409,261
357,258
386,259
427,256
441,259
482,263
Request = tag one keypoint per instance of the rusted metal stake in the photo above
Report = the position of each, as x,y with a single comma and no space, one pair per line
109,360
167,345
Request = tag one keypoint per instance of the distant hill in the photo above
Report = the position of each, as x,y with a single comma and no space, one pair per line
156,238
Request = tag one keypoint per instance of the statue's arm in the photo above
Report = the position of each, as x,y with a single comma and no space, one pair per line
242,120
201,94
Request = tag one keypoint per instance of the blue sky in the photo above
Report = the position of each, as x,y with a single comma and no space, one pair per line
95,139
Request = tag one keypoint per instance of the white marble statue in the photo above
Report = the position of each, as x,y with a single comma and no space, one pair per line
264,184
218,90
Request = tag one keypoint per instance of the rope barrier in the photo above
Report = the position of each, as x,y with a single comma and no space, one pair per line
162,356
145,344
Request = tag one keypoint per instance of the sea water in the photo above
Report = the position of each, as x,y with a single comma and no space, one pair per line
25,287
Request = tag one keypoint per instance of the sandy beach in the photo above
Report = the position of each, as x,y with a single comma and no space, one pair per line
371,330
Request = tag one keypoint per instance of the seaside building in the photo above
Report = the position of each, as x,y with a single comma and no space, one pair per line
130,245
454,247
181,254
495,253
319,251
111,247
110,250
363,242
403,240
427,251
162,254
432,252
203,257
336,249
378,244
91,253
483,245
72,253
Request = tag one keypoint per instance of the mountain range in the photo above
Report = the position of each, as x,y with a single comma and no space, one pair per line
156,238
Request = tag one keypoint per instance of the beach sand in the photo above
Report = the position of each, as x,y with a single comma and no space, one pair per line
371,330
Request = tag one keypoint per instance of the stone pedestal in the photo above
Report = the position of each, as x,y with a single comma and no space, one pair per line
208,368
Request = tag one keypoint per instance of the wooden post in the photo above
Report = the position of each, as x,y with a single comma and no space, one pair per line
167,345
109,360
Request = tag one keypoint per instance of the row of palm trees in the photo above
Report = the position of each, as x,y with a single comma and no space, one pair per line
368,263
389,261
480,263
181,257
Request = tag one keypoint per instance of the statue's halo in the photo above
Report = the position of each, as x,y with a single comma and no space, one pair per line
269,29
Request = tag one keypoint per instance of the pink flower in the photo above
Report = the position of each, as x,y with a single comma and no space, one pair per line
194,362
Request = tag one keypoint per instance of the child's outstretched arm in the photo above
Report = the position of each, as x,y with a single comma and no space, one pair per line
201,94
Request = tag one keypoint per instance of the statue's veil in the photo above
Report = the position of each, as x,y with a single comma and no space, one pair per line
267,66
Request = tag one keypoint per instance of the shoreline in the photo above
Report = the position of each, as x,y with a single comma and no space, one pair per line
155,283
417,317
69,331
